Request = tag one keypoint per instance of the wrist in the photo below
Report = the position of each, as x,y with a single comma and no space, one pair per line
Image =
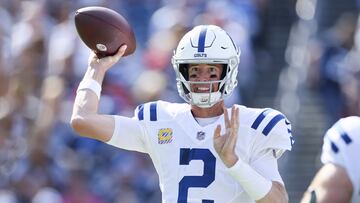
95,74
254,184
230,162
90,84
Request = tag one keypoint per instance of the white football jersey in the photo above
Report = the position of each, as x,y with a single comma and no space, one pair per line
182,151
342,147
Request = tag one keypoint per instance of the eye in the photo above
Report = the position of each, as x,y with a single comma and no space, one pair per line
193,69
193,72
213,72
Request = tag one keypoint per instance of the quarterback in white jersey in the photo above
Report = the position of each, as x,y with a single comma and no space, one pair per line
202,151
339,179
183,153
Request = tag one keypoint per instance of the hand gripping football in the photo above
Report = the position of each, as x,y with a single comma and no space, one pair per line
104,30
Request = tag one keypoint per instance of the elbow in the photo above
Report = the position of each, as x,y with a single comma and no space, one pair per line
78,124
286,198
282,193
277,194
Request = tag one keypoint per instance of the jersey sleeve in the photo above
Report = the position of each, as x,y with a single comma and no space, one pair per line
133,133
266,165
129,133
272,133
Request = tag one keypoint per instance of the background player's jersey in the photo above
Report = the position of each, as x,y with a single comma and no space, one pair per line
342,147
182,151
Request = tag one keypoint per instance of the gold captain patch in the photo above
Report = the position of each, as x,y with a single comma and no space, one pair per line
165,136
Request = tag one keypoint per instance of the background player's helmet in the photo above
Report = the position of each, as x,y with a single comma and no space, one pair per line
206,44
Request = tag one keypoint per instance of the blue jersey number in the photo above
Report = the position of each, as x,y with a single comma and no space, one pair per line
186,155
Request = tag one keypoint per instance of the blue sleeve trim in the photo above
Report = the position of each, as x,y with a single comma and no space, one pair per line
272,123
141,112
260,118
153,113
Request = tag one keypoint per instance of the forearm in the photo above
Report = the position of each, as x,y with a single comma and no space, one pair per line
96,74
85,119
86,101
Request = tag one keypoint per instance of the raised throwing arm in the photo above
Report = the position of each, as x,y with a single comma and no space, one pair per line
85,119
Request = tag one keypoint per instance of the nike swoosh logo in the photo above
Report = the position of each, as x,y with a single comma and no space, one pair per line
287,122
224,47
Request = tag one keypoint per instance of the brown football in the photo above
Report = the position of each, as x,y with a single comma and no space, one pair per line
104,30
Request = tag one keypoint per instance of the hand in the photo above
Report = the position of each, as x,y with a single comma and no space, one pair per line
105,63
225,144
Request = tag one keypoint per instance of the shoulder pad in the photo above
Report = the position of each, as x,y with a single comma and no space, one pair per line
273,130
158,110
342,133
270,120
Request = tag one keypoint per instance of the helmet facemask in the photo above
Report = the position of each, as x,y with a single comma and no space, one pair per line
218,49
204,99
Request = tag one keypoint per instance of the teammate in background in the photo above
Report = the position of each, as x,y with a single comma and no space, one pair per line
338,180
202,151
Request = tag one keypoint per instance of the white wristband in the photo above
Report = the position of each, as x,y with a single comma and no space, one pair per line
92,85
254,184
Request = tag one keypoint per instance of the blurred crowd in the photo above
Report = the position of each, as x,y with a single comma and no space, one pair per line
334,69
42,61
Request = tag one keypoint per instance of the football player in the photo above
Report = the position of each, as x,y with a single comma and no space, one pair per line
202,151
339,178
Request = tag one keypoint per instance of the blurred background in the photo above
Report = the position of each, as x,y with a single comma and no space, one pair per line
298,56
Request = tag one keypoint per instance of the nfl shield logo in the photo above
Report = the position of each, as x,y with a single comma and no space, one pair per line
200,135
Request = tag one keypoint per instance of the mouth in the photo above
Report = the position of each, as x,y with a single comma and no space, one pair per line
204,88
201,89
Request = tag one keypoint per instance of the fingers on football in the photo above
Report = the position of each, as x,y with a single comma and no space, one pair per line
92,57
115,58
120,52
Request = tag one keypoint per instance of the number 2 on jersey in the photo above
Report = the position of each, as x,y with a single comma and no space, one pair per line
186,155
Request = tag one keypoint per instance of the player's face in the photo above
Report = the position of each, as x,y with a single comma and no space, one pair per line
204,73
